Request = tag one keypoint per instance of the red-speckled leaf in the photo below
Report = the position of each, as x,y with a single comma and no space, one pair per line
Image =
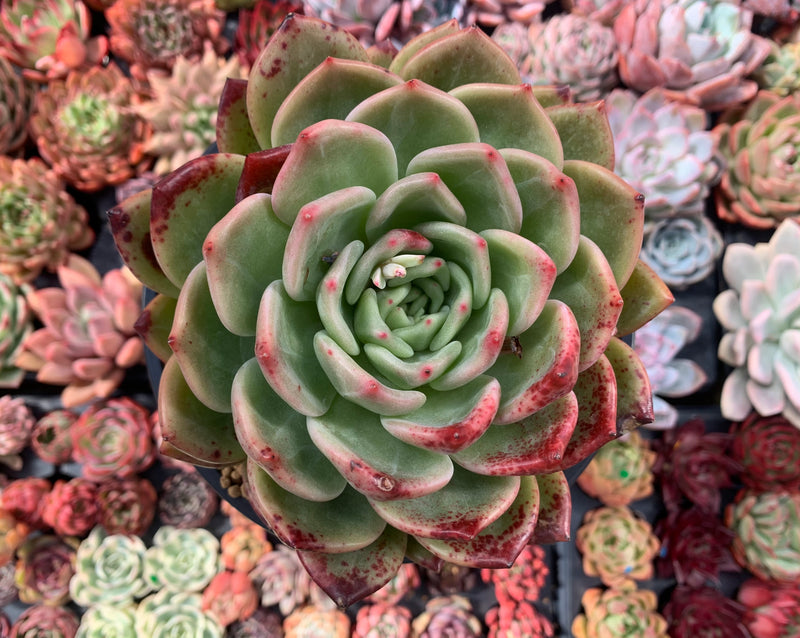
596,390
327,526
588,287
449,421
293,51
260,170
155,324
497,546
421,556
192,428
645,296
543,369
234,133
185,205
460,510
130,225
349,577
634,394
555,509
276,438
534,445
585,132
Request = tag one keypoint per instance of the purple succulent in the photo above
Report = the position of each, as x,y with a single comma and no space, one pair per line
52,436
703,612
186,501
45,565
450,616
46,620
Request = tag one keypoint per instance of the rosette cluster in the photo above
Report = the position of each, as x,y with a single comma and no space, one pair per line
397,293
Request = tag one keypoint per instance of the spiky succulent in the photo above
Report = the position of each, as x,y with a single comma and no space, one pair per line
16,102
39,221
432,259
702,51
621,613
760,143
759,313
86,130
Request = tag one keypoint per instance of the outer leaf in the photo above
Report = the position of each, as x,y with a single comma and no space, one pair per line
155,323
552,95
243,253
234,133
189,426
185,205
420,41
349,577
372,460
555,509
330,91
524,124
209,355
460,510
313,526
260,171
634,394
645,296
130,225
585,132
275,437
299,45
421,556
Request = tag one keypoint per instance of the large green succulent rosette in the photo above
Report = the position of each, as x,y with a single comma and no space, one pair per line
397,294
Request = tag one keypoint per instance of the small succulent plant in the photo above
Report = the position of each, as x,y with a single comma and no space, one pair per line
766,525
16,429
405,581
772,610
182,560
103,620
243,546
759,314
16,96
382,619
604,11
177,613
85,129
45,620
768,451
13,533
282,581
40,222
622,613
701,51
230,597
127,506
760,143
109,569
422,337
52,436
262,623
523,580
88,339
447,615
703,611
657,345
24,499
573,50
8,588
617,546
311,621
45,565
186,501
491,14
518,620
620,472
15,326
780,70
71,507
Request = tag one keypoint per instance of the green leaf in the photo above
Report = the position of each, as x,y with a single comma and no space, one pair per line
413,371
274,436
234,133
555,509
645,296
634,394
372,329
552,95
155,323
585,132
419,42
337,318
460,296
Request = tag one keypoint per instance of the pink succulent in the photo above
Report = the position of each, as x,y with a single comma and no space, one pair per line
229,597
518,620
112,439
523,580
257,24
243,546
16,429
8,589
382,619
25,498
186,501
282,580
52,436
71,508
13,533
45,565
46,620
313,621
772,610
447,616
127,506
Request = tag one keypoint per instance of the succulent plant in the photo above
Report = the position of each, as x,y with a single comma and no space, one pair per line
88,340
657,345
693,464
780,70
49,38
39,221
760,143
109,569
71,507
13,533
491,14
25,499
621,613
183,560
604,11
682,250
492,348
772,610
186,500
767,528
518,620
243,546
8,588
112,439
151,34
382,619
573,50
230,597
45,565
617,546
694,547
768,451
16,96
127,506
312,621
663,150
183,109
703,611
15,326
282,581
103,620
701,51
446,579
256,26
45,620
85,129
447,616
402,583
171,613
523,580
620,472
52,436
262,623
759,315
16,429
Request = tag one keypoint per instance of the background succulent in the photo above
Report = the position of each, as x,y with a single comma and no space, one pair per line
493,13
181,560
57,622
25,499
15,326
384,429
703,611
779,71
39,221
186,501
627,613
604,11
768,451
127,506
256,26
52,440
230,597
45,565
445,615
521,619
108,620
758,313
71,507
380,618
310,620
760,143
176,612
523,580
771,609
16,429
16,103
243,546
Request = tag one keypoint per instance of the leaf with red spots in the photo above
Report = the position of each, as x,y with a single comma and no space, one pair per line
260,171
155,324
234,133
555,509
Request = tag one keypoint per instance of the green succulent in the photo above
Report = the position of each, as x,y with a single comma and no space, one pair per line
397,293
183,560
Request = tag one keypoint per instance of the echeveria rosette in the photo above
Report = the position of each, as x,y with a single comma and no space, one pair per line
182,560
311,621
230,597
127,506
759,314
384,310
16,428
103,620
523,580
186,500
25,499
780,70
703,611
51,438
518,619
768,450
45,620
619,613
772,610
15,326
382,619
447,616
170,613
45,565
